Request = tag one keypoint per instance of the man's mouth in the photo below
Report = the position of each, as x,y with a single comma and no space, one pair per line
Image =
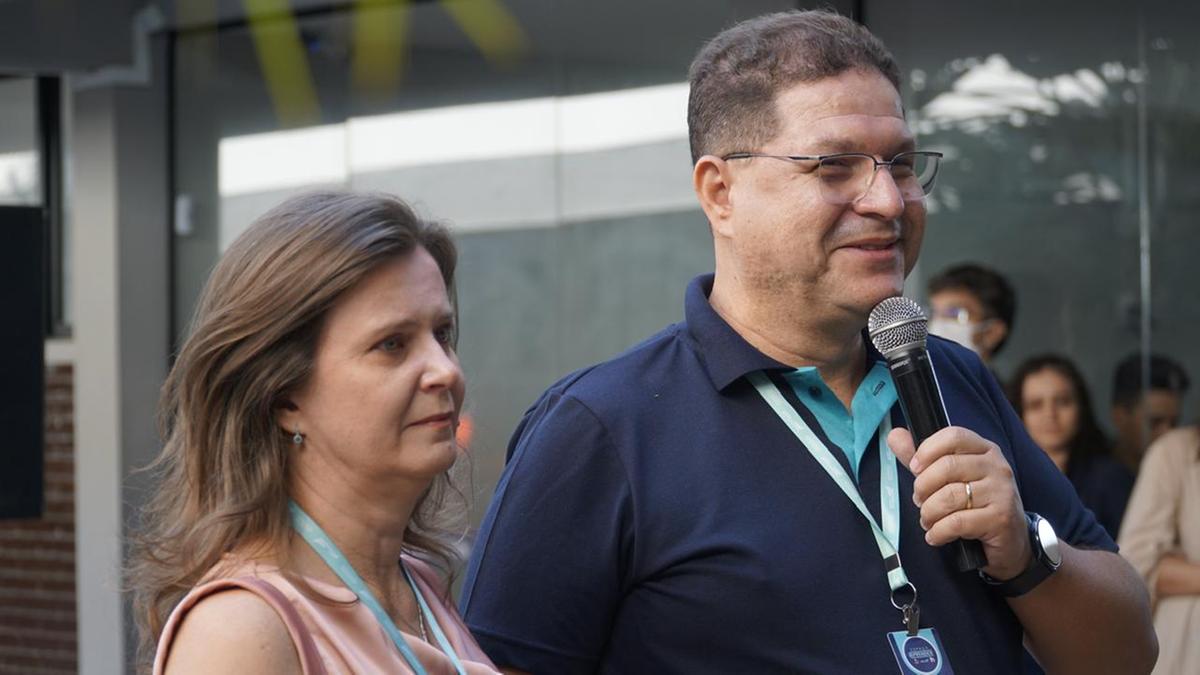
875,244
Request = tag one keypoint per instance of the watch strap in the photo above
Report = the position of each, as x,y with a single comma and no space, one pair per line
1038,570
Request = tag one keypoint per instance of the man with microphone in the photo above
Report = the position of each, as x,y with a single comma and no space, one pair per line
740,493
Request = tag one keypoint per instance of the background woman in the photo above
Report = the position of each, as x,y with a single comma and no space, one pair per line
305,521
1161,539
1053,401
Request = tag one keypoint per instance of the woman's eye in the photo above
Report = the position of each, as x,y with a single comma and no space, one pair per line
392,344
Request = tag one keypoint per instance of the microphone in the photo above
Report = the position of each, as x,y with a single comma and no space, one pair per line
898,329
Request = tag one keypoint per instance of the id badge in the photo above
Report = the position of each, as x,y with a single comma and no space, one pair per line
919,654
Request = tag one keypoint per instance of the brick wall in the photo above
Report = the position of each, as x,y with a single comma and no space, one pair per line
37,556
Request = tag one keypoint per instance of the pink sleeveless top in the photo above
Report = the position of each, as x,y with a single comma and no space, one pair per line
340,635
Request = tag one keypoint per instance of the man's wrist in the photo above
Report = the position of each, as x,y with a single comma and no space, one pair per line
1043,559
1010,572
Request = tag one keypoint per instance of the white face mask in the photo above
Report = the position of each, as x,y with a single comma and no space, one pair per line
961,332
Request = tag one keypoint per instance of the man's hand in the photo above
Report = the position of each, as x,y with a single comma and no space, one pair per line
1092,616
945,464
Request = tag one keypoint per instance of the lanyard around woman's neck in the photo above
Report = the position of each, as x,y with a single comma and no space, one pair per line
887,537
333,557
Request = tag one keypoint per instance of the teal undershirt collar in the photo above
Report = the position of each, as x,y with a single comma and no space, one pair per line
852,431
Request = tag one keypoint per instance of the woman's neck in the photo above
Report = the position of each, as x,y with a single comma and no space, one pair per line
367,523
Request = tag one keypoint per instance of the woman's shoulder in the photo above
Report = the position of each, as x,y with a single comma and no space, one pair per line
1175,447
245,604
1172,456
251,636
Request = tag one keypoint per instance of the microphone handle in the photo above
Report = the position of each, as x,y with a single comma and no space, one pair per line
921,402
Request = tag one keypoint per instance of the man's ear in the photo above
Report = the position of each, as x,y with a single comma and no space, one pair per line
712,182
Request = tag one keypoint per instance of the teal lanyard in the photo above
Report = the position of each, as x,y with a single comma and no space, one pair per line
887,538
329,552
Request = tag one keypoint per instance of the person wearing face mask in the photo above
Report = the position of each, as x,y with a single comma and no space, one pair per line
973,306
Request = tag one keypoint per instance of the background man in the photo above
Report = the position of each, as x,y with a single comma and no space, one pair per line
1139,416
657,514
974,306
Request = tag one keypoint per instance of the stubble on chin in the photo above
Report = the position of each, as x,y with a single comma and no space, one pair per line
760,282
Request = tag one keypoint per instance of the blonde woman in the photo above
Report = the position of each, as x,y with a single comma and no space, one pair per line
304,521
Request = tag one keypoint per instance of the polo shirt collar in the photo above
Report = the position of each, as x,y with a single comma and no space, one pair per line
725,354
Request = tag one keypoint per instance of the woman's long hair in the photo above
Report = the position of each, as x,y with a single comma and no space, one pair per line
223,471
1089,440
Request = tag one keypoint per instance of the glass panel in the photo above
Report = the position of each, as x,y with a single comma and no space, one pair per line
551,136
1173,139
20,172
1072,135
1037,112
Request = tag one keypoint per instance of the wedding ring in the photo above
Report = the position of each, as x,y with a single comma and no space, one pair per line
970,495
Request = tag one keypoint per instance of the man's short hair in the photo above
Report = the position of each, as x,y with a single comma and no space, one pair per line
1165,374
989,286
735,77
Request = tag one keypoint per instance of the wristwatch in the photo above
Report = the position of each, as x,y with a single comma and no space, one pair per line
1046,559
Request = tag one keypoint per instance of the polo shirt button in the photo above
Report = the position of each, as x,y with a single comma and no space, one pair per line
814,392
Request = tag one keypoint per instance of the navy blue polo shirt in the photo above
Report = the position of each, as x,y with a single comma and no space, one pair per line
656,516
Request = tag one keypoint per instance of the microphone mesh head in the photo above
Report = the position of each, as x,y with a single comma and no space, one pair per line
896,323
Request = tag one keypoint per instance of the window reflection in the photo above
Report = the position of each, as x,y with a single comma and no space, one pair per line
564,173
1069,132
20,180
388,152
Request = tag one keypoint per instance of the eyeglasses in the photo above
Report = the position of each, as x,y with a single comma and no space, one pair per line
949,313
960,315
847,176
954,314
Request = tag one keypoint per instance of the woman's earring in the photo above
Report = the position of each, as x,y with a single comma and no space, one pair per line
297,439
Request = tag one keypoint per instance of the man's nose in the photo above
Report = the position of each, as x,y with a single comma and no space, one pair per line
883,197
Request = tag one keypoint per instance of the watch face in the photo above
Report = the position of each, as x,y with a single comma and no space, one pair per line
1049,542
